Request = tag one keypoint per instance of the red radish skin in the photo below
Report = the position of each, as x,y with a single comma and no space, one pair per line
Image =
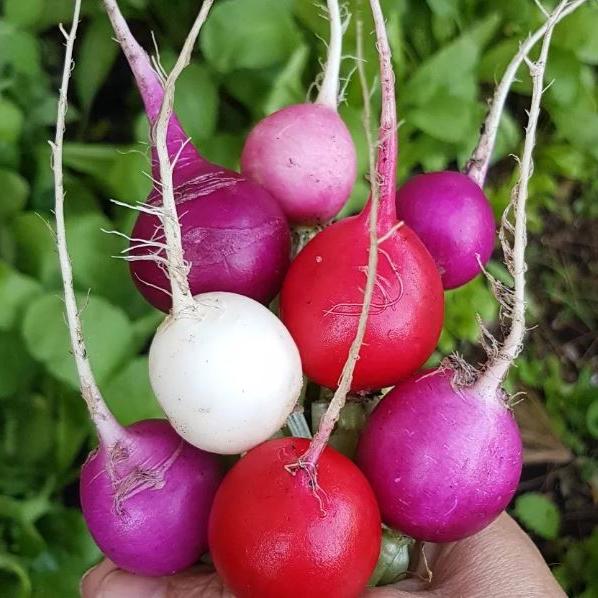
234,234
443,463
322,296
270,536
453,218
147,500
305,157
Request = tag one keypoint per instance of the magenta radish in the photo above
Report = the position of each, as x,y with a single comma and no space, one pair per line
235,235
449,210
442,449
322,296
222,366
145,493
442,462
304,154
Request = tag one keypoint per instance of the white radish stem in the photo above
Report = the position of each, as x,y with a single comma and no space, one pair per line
107,427
177,268
498,366
329,90
478,164
382,173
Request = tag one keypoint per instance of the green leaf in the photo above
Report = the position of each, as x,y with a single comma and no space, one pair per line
578,33
539,514
19,50
196,102
592,419
36,252
11,121
23,12
16,291
108,334
97,53
17,369
15,191
14,579
249,34
288,86
450,66
130,396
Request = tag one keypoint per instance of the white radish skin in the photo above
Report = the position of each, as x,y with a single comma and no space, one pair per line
227,374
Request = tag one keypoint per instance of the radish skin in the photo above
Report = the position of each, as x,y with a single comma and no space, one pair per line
227,375
304,154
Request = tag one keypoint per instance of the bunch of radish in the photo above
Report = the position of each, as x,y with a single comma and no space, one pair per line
361,309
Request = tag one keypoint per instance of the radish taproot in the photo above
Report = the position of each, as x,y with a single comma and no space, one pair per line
145,493
449,210
235,235
222,366
442,449
304,154
273,533
322,295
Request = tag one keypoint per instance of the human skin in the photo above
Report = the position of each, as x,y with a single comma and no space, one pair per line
500,561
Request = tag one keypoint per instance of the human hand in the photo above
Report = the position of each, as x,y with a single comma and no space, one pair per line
500,561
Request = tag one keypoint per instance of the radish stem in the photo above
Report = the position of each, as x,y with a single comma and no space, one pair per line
329,90
498,366
478,164
107,427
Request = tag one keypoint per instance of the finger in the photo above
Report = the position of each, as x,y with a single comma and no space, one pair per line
107,581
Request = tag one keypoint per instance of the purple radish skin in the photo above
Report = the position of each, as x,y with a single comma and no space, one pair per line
453,218
146,501
443,462
235,236
303,154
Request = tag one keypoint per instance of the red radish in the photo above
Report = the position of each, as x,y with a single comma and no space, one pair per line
322,295
303,154
235,236
272,533
145,493
442,450
448,210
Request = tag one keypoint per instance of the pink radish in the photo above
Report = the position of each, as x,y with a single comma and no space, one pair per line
442,450
448,210
303,154
235,236
145,493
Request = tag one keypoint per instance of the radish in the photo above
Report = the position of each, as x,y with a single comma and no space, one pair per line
304,154
442,449
235,235
145,493
270,536
448,210
222,366
322,295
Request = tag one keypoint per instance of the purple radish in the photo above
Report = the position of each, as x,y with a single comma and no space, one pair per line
448,210
304,154
145,493
442,462
235,235
442,450
453,218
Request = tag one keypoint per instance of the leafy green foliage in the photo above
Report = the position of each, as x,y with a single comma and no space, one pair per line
539,514
255,56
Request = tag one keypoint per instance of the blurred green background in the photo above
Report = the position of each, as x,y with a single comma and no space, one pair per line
254,57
